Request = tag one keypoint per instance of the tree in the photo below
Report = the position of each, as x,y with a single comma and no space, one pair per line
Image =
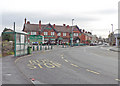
6,36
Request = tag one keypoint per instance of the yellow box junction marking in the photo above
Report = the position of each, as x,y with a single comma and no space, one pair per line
74,65
117,79
33,64
92,71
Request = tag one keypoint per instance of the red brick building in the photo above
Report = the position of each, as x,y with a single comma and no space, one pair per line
55,33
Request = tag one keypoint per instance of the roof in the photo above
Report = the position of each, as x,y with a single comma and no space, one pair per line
31,27
60,28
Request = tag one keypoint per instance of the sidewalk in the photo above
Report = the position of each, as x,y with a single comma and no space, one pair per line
10,73
111,48
116,49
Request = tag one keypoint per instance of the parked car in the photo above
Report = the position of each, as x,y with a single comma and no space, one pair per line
93,44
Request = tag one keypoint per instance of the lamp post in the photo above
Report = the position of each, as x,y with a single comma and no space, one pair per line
112,27
72,34
112,35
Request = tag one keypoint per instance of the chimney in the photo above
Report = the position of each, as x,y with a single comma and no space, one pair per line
83,30
28,22
54,25
67,26
63,24
25,20
40,24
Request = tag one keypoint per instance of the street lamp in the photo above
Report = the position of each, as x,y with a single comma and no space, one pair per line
112,27
72,34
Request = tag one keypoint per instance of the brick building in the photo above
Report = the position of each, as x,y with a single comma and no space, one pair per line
55,33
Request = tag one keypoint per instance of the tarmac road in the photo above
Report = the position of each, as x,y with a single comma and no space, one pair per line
76,65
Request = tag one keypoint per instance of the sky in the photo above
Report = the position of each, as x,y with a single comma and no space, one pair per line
95,16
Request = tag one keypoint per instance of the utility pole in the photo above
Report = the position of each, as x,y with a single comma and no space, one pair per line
112,27
14,26
72,33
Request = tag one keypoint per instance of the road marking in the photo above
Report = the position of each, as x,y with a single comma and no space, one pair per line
117,79
62,57
38,63
66,60
74,65
56,64
92,71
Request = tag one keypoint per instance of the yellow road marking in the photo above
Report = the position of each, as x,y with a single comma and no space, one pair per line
66,60
117,79
40,66
56,64
92,71
74,65
62,57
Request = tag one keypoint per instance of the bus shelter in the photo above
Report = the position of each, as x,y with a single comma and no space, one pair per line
20,43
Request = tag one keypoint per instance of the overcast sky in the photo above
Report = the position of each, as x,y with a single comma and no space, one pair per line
91,15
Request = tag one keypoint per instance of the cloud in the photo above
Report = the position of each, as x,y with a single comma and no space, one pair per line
9,18
104,12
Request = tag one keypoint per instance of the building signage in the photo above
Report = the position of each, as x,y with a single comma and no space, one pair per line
48,28
34,38
49,36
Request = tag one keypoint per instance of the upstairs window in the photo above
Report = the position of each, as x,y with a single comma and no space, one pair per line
59,34
45,33
52,33
33,33
64,34
75,34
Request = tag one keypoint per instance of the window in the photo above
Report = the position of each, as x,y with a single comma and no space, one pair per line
59,34
64,34
75,34
45,33
52,33
33,33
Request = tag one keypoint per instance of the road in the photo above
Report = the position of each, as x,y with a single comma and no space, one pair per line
76,65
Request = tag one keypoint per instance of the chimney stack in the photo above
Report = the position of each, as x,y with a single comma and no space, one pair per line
67,26
28,22
63,24
40,24
83,30
25,20
54,25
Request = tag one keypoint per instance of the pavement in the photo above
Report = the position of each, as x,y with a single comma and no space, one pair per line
10,73
111,48
116,49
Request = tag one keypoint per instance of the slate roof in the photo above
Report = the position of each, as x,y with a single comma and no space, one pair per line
32,27
58,28
61,28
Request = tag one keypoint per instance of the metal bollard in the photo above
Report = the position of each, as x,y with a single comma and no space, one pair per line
63,46
33,48
40,47
48,47
51,47
37,48
45,47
